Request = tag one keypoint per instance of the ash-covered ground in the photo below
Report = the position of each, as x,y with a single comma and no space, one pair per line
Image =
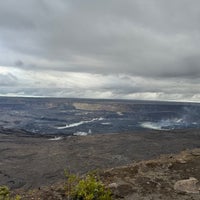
34,161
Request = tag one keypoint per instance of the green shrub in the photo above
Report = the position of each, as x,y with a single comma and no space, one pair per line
5,194
90,188
87,188
72,181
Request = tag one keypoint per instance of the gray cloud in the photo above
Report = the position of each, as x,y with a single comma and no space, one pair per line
155,40
8,80
19,63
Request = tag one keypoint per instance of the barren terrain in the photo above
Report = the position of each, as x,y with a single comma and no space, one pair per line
29,162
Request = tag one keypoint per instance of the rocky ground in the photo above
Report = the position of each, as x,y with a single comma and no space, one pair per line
168,177
33,162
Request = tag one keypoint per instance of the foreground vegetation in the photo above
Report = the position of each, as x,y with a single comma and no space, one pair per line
168,177
88,187
5,194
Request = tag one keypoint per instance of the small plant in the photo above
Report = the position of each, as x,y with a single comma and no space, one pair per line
87,188
71,182
90,188
5,194
17,197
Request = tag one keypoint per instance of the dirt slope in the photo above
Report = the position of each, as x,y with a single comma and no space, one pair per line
156,179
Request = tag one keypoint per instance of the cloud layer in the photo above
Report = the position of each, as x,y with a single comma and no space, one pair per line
100,49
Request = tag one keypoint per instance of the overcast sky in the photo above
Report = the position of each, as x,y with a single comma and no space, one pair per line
132,49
